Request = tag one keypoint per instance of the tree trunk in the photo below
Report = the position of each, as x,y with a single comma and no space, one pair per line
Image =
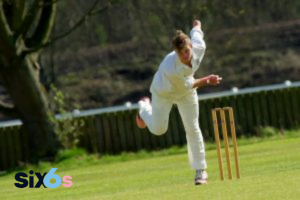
21,78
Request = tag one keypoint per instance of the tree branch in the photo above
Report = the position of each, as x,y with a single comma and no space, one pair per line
8,106
90,12
99,10
18,10
6,44
45,24
4,27
8,109
83,18
29,19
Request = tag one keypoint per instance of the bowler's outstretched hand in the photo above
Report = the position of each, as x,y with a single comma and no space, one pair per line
197,23
213,79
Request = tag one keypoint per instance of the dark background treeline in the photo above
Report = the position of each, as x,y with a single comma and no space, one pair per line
112,57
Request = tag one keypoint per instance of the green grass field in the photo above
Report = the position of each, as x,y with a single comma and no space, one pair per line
269,170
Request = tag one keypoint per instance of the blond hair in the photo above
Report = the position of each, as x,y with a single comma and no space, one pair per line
180,40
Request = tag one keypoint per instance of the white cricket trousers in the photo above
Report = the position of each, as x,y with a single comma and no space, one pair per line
156,117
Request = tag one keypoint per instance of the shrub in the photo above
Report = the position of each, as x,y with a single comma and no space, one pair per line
67,127
268,131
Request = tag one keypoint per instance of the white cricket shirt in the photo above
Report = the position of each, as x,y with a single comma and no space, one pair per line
174,79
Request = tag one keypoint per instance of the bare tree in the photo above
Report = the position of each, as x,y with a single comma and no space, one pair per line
25,29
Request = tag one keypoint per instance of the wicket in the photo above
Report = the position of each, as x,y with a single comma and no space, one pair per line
226,143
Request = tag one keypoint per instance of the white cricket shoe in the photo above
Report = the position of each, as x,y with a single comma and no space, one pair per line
201,177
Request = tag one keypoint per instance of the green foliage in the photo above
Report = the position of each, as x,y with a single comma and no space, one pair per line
102,34
69,154
67,127
268,131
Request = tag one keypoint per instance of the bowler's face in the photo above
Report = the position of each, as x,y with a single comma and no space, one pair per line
185,54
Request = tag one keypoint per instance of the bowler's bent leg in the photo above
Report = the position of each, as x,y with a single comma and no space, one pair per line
156,114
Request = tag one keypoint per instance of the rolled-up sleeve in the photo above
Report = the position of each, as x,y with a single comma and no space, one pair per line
197,38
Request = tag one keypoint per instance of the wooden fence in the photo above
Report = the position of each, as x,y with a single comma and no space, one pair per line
115,132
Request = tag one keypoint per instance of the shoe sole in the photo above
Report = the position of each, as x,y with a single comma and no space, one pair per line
201,183
139,122
204,183
145,99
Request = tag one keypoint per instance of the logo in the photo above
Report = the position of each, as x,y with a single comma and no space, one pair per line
44,180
